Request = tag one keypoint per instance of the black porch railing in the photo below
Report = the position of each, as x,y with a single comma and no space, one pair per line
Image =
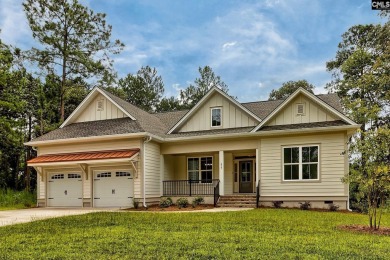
258,194
189,187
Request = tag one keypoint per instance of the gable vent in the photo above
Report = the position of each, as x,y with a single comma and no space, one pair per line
300,109
100,105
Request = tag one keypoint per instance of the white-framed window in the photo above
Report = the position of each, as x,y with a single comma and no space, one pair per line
57,176
122,174
104,175
216,116
100,105
301,109
74,176
301,163
200,169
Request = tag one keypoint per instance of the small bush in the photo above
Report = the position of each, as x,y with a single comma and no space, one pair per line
197,201
136,203
17,199
182,203
165,203
305,205
333,207
277,204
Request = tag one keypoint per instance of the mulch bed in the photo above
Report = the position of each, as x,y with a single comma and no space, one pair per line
172,208
366,229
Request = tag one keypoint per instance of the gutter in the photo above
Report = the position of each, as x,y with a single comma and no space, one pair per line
147,139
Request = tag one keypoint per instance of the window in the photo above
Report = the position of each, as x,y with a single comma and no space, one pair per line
200,169
216,117
300,163
74,176
104,175
301,109
57,176
100,105
122,174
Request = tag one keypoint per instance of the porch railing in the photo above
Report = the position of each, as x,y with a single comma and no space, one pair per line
216,193
258,194
189,187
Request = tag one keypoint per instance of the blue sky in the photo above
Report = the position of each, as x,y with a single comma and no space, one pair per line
254,46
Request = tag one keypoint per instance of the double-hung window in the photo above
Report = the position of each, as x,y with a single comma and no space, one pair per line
200,169
216,116
301,163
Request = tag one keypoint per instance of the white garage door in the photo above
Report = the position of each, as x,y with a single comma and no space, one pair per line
64,190
113,189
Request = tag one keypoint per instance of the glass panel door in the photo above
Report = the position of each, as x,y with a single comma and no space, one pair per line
246,177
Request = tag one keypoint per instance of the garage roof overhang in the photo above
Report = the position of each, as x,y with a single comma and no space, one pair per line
84,157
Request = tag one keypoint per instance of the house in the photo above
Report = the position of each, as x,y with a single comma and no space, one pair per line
110,153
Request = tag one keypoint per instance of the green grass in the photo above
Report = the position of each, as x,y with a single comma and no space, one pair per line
261,233
10,199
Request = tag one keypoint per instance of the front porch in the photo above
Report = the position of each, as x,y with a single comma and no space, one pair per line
211,174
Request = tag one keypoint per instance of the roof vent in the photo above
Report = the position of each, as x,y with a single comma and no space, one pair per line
100,105
300,109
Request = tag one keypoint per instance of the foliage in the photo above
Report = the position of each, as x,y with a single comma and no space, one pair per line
305,205
136,203
288,88
197,201
277,204
145,89
75,41
166,202
253,234
17,199
182,202
168,104
193,93
333,207
373,175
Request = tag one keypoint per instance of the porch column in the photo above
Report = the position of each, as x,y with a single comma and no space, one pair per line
257,167
221,173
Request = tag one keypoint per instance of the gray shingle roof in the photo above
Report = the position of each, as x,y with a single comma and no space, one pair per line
160,123
303,125
93,128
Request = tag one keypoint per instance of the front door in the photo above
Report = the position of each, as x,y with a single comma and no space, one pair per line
246,177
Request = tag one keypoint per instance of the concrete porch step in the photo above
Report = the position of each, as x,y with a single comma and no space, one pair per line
237,201
236,205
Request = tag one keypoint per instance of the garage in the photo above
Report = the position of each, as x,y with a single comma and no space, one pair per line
113,189
64,190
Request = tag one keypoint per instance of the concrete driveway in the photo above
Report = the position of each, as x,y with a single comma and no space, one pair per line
10,217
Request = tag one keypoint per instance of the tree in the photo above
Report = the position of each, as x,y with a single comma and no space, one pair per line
193,93
145,89
75,41
360,73
288,88
373,175
168,104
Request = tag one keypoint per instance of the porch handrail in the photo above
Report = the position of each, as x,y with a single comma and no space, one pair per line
189,187
216,193
257,194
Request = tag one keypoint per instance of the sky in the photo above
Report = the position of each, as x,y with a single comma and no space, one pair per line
254,46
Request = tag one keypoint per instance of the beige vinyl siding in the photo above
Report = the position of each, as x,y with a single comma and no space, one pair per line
91,113
332,166
90,146
152,169
41,189
232,116
313,113
169,170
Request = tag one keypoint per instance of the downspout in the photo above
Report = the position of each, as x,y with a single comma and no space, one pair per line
348,208
147,139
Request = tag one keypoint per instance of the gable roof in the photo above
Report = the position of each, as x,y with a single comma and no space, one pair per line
312,97
141,122
87,100
204,99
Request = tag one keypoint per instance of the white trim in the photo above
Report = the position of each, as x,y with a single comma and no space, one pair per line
310,96
205,97
88,100
221,173
211,117
300,163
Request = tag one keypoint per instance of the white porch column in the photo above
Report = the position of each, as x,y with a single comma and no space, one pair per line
221,173
257,167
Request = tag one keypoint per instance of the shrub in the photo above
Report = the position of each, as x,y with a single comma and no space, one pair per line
182,203
333,207
277,204
136,203
17,199
165,202
305,205
197,201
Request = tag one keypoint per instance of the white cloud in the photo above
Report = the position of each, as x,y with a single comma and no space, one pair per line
228,45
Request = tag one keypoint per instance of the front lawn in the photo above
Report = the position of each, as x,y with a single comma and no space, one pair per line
260,233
